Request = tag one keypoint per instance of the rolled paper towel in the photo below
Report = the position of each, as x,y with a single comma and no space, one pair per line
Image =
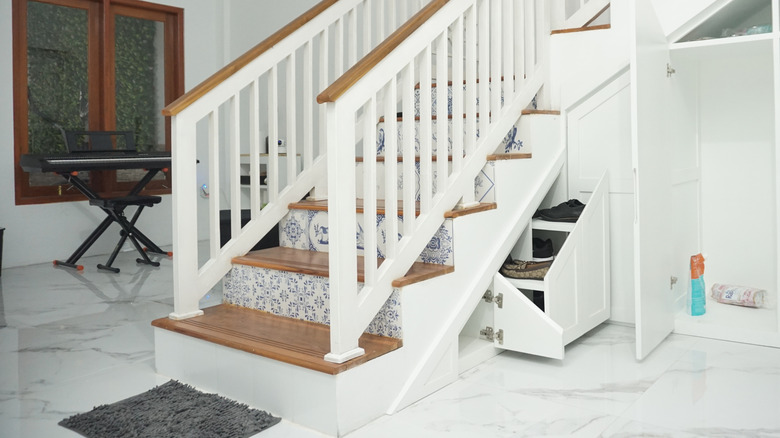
738,295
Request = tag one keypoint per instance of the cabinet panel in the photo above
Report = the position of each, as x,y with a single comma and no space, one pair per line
650,91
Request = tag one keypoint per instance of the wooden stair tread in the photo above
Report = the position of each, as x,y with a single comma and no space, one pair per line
581,29
482,206
528,112
288,340
322,205
509,156
317,263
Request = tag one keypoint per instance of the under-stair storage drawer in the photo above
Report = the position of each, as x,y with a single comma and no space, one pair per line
576,288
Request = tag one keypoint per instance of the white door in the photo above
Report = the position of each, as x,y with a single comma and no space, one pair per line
650,91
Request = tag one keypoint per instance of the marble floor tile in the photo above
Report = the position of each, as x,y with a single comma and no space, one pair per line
70,341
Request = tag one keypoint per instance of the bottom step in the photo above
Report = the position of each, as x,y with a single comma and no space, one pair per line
288,340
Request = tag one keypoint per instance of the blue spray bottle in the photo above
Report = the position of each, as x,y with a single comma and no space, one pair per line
697,296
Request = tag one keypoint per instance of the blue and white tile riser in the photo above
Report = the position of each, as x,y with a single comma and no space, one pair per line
509,144
483,184
308,230
435,98
299,296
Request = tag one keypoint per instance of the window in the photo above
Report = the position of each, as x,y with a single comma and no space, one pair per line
92,65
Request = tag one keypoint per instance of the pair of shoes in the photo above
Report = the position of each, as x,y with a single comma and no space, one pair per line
542,250
525,270
568,211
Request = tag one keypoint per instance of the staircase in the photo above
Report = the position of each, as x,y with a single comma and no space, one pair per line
387,245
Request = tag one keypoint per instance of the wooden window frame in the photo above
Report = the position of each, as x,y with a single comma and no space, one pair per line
100,29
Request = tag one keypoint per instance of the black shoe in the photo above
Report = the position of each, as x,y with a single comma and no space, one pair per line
543,250
568,211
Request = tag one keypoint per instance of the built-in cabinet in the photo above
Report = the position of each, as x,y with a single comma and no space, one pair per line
704,114
541,317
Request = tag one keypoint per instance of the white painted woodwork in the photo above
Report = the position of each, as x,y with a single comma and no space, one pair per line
650,96
411,61
576,289
275,82
525,327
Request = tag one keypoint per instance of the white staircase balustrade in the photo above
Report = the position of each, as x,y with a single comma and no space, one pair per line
481,38
269,90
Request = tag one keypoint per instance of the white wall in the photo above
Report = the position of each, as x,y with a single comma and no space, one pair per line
674,13
41,233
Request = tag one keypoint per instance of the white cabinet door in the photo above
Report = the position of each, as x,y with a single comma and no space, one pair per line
650,91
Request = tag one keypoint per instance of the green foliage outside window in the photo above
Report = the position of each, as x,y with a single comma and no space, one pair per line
58,83
136,75
56,74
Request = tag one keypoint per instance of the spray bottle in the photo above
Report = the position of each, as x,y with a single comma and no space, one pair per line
696,293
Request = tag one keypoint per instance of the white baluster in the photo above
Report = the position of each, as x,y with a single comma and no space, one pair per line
508,32
272,176
529,40
234,166
352,41
391,169
254,148
457,96
308,106
291,140
519,45
408,175
442,114
339,59
426,122
367,28
369,192
214,189
495,59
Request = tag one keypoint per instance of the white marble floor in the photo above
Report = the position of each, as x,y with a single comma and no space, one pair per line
71,341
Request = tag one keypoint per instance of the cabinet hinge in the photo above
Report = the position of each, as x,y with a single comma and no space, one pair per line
488,333
492,335
490,298
669,70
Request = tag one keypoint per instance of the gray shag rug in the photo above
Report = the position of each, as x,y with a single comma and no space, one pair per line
172,410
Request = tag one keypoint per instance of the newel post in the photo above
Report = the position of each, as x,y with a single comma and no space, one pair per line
185,228
342,221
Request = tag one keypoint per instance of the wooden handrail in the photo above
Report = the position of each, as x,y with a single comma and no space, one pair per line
217,78
348,79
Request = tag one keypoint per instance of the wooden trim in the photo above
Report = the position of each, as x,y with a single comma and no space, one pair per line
217,78
354,74
482,206
581,29
288,340
510,156
19,31
529,112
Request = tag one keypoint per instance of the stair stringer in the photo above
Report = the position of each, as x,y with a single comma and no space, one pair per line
435,311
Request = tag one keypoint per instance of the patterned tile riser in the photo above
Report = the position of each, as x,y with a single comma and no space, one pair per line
435,98
300,296
308,230
483,183
510,142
